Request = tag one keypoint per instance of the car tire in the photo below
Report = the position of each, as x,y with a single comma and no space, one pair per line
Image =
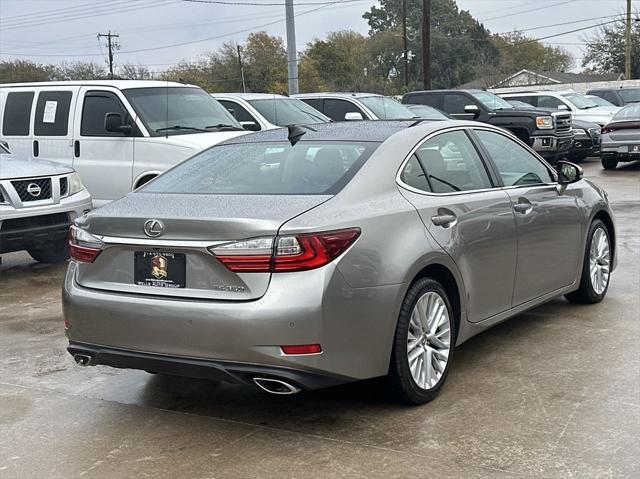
432,346
592,289
54,252
609,163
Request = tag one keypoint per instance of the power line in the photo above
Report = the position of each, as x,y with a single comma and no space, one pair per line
262,4
526,11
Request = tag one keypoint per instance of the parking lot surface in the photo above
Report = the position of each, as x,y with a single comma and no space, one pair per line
554,392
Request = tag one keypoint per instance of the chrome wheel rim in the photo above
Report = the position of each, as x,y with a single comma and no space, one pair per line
599,259
429,340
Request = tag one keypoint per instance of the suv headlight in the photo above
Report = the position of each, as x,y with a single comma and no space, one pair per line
544,122
75,184
578,131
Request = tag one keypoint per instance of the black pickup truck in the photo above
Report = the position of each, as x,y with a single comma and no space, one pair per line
547,133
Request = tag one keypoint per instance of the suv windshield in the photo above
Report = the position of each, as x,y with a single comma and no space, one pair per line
270,168
630,95
491,101
179,110
386,108
287,111
580,101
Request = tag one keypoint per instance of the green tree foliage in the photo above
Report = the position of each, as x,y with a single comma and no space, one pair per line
605,50
517,51
79,71
15,71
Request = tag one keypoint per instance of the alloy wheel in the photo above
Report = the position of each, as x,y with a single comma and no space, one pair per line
429,340
599,261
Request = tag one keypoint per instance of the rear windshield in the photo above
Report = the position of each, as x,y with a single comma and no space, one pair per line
386,108
289,111
308,168
628,113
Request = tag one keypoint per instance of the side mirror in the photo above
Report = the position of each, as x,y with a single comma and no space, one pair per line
353,115
113,123
5,144
568,172
473,110
250,125
562,106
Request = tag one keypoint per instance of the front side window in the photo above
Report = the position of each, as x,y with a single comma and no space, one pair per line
287,111
179,110
451,163
267,168
17,113
516,165
549,102
96,106
454,103
52,113
386,108
239,112
337,109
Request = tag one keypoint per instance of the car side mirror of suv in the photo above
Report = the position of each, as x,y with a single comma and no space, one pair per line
562,106
113,123
472,110
250,125
353,115
568,172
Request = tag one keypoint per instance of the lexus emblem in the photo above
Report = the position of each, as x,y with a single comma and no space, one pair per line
153,228
34,189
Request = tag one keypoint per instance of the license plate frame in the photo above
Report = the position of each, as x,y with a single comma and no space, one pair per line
159,269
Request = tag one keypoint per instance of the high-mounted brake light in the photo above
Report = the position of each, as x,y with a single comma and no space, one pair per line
285,253
83,246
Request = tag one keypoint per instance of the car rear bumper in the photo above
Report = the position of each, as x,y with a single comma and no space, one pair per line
354,327
619,150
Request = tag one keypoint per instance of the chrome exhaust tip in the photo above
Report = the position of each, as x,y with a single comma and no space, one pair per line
276,386
82,359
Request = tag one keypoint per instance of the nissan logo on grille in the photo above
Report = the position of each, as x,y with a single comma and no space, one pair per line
34,190
153,228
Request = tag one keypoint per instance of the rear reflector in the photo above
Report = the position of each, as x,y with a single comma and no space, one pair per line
292,253
302,349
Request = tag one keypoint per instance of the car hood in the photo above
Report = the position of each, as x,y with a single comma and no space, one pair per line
201,141
14,167
524,112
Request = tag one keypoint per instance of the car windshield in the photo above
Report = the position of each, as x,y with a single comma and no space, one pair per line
628,113
599,101
266,168
491,101
580,101
427,112
287,111
179,110
386,108
630,95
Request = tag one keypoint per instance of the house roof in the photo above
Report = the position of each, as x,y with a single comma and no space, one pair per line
550,77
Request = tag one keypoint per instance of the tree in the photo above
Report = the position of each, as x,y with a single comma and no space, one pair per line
605,50
517,51
131,71
265,63
79,71
14,71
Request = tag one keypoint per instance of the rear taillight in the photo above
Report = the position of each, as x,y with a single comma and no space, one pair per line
627,125
285,253
83,246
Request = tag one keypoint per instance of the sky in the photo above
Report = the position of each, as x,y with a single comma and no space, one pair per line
159,33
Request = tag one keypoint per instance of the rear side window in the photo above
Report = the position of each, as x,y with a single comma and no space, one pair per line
414,176
337,109
452,164
312,102
276,168
52,113
421,99
96,106
17,113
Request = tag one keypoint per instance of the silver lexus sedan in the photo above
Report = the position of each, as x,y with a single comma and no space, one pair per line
307,257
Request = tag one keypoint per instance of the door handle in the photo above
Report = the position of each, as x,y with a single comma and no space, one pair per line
445,221
523,206
36,148
76,149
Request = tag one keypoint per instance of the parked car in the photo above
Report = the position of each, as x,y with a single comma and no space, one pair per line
428,112
618,96
356,106
116,134
547,133
265,111
621,137
580,107
38,201
586,140
302,258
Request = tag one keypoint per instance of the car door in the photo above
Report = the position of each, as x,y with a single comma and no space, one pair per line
53,124
240,113
104,159
16,120
547,218
472,220
336,109
455,103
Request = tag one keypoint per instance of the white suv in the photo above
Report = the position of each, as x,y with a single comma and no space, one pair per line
581,107
38,201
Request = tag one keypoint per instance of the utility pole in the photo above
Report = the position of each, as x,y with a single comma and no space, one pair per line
112,46
405,50
244,87
627,72
426,43
292,55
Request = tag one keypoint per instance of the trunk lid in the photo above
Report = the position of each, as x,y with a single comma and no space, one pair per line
191,224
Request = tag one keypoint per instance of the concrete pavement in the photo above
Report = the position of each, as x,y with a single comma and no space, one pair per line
552,393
